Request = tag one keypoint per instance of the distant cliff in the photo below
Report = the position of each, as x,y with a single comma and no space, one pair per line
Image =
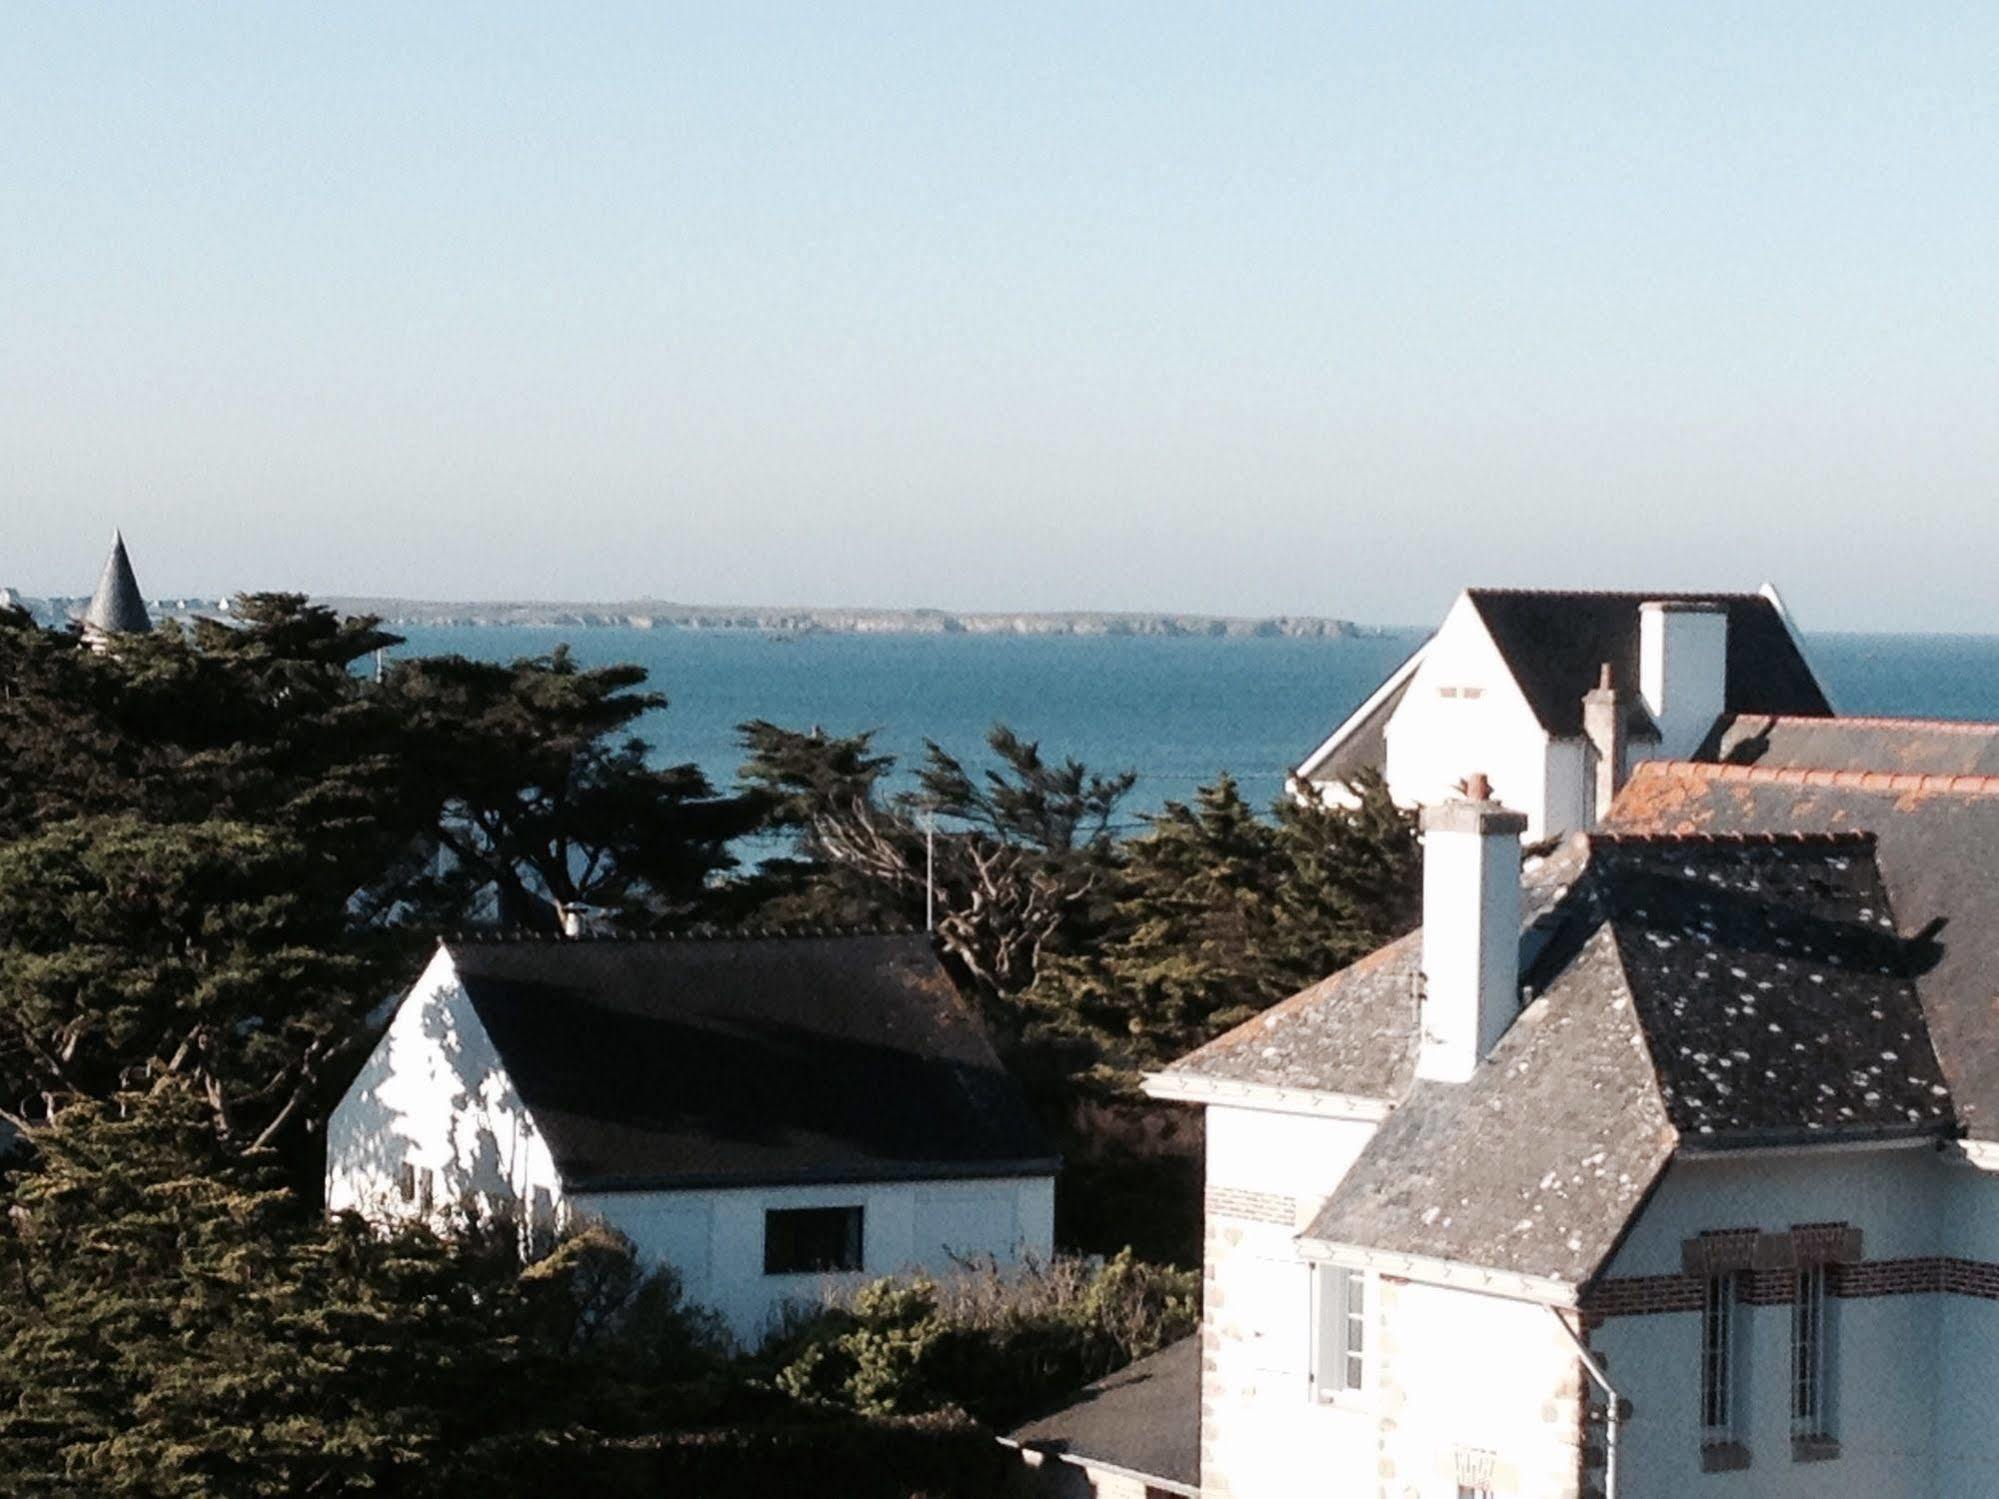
649,614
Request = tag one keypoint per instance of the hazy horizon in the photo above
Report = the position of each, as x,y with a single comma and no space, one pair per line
1307,310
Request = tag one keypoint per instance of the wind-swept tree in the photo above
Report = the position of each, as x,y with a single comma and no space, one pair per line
1013,854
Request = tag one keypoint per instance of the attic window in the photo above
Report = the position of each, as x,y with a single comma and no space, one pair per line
1461,692
807,1241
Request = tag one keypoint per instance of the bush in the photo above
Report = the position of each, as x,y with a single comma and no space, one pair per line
994,1343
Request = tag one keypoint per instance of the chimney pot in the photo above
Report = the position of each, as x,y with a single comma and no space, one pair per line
1477,787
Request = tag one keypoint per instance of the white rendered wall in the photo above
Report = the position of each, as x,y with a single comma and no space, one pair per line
1682,675
1568,802
433,1094
1967,1435
1886,1370
1435,742
715,1238
1263,1434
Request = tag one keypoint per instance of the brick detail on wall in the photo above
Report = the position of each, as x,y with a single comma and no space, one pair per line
1256,1207
1645,1295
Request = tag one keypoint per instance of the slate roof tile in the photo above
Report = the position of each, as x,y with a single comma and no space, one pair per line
682,1062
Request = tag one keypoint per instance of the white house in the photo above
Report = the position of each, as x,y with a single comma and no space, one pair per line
773,1117
1666,1170
1554,695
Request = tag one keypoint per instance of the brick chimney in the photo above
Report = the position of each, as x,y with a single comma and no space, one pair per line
1604,727
1471,931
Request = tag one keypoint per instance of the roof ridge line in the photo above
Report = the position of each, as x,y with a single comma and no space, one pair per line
1784,839
1639,594
1804,775
522,938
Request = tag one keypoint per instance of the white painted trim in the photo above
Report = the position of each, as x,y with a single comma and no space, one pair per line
1693,1154
1769,591
1360,715
1189,1087
1455,1274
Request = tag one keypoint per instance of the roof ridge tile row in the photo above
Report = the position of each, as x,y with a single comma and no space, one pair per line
1803,775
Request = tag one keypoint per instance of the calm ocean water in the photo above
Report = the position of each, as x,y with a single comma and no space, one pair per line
1175,710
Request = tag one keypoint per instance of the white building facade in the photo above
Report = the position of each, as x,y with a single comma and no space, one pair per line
436,1129
1500,690
1713,1209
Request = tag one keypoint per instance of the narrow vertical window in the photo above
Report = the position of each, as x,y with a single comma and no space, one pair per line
1342,1332
406,1182
1811,1358
1719,1435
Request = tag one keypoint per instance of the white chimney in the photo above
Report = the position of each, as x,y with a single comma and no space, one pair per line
1609,755
1683,670
1471,931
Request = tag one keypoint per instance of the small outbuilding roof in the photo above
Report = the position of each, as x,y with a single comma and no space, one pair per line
1144,1420
117,608
653,1063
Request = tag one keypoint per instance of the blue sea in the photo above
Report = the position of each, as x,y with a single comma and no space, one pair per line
1176,710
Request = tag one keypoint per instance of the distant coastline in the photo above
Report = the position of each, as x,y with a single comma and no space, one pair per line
651,614
654,614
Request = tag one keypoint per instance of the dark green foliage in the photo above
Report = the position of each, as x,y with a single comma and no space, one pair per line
1014,854
211,951
547,801
997,1345
1219,913
175,1322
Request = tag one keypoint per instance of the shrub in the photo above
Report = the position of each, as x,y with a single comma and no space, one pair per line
994,1342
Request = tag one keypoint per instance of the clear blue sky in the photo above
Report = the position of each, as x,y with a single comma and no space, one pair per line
1327,308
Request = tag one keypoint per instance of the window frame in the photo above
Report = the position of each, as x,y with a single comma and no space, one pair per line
1720,1397
1812,1353
854,1239
1343,1340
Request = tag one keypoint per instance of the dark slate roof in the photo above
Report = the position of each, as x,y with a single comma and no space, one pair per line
1355,1032
1938,852
1144,1419
1693,993
117,607
1555,644
1903,745
684,1062
1361,742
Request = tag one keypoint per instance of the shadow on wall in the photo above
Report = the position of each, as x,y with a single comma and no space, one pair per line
432,1095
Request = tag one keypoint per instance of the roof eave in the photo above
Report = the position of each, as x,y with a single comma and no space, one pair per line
1462,1275
855,1174
1193,1087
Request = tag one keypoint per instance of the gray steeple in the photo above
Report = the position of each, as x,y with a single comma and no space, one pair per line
116,608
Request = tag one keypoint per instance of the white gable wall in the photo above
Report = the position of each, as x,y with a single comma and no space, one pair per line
433,1095
1435,741
1268,1173
715,1238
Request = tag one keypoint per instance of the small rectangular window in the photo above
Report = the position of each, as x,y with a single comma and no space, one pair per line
1718,1361
1341,1334
801,1241
1811,1416
1447,692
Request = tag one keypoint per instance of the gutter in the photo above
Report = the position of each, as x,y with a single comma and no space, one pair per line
1613,1414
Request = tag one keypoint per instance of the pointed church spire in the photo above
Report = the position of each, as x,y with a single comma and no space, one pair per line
116,608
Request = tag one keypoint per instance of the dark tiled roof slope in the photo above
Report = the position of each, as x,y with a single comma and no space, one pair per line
1354,1033
1533,1166
768,1059
1555,643
1704,993
1907,746
1938,853
1146,1419
1776,996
